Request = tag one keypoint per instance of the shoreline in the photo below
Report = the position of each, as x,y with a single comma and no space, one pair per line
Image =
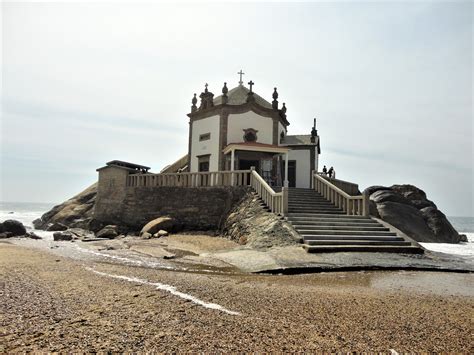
72,308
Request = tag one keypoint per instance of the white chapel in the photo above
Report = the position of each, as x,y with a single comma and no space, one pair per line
239,130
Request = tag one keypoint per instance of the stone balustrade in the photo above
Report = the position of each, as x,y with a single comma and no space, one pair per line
201,179
277,202
352,205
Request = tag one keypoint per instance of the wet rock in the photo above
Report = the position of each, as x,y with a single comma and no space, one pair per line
16,228
56,227
160,223
5,235
109,231
32,235
463,238
62,236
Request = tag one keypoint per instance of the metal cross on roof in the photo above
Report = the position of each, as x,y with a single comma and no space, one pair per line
241,73
251,83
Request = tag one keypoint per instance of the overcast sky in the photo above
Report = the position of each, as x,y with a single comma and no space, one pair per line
86,83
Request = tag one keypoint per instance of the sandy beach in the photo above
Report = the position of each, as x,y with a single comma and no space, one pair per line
51,303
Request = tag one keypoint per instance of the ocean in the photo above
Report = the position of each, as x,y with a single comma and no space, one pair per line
26,213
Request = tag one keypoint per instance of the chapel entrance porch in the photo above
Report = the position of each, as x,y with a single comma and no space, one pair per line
267,160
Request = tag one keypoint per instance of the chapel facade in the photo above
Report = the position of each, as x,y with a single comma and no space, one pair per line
239,129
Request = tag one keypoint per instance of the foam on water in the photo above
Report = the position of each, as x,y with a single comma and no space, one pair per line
170,289
465,250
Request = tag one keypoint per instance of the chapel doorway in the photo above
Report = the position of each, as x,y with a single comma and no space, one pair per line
291,172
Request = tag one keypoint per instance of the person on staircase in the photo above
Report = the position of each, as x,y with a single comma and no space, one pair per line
330,172
325,170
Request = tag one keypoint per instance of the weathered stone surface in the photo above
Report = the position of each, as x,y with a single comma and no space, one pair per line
191,208
382,196
406,218
109,231
78,208
439,224
160,223
62,236
16,228
249,224
407,208
161,233
56,227
146,235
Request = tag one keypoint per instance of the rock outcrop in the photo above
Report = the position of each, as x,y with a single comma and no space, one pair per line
12,228
252,225
76,212
407,208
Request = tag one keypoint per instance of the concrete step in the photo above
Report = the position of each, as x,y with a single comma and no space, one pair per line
310,203
323,207
330,223
321,216
352,237
363,248
325,212
333,228
357,242
345,232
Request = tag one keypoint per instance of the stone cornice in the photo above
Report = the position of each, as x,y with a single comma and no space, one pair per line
237,109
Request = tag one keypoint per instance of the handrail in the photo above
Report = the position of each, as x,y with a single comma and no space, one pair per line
277,202
352,205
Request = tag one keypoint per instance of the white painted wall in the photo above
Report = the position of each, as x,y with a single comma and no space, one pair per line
238,122
211,146
303,167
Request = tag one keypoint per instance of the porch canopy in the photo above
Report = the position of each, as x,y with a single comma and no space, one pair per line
257,147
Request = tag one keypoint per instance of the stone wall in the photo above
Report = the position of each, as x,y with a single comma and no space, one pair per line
200,208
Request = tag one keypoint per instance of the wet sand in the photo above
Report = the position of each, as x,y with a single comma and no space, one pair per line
53,303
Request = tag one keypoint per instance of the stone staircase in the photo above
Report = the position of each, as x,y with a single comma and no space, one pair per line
325,228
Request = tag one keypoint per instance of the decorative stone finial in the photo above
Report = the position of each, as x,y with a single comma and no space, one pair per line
207,99
275,101
225,99
314,132
194,102
283,109
241,73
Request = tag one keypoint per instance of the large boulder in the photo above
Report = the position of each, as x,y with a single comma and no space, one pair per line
110,232
75,212
407,208
439,224
406,218
160,223
14,227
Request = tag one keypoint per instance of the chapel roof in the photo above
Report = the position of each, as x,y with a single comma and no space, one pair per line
238,96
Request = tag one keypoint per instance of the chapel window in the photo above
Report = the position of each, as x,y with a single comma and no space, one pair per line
250,135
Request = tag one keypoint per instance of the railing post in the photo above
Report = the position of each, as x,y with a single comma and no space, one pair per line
284,190
365,207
